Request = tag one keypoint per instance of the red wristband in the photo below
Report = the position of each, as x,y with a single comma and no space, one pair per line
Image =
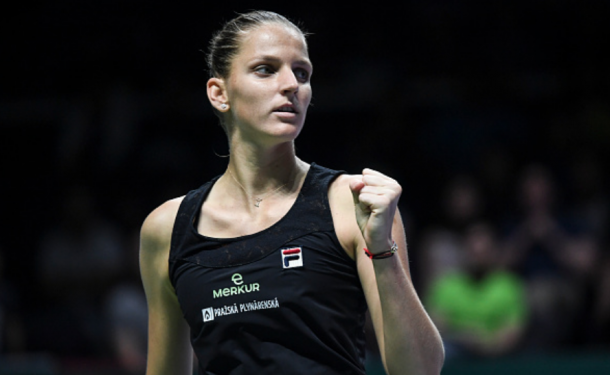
383,255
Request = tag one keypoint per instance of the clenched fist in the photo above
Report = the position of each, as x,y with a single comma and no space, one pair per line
375,198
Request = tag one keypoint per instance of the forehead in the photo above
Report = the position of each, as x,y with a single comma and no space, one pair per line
273,39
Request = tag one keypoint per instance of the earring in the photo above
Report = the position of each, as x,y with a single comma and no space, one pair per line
224,106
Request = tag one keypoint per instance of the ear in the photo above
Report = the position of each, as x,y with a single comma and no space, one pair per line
217,94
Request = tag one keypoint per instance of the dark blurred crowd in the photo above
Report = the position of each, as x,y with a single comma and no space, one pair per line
532,277
83,308
495,122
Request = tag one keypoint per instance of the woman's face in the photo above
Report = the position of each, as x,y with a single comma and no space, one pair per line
269,89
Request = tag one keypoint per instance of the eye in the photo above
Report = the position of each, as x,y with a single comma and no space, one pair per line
264,70
301,74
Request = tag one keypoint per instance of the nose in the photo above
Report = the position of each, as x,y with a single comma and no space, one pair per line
289,82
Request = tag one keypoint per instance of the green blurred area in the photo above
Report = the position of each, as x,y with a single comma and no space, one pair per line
568,363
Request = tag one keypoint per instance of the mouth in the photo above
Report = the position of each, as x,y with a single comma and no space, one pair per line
286,109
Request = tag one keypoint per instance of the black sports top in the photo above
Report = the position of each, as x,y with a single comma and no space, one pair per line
286,300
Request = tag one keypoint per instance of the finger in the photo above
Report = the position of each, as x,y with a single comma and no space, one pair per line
375,202
356,185
379,180
378,190
372,172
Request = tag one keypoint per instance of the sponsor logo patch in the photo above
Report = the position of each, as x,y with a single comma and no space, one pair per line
292,257
218,312
239,287
208,314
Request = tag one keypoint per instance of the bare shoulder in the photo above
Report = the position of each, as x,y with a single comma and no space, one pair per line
341,203
155,243
340,194
157,227
345,178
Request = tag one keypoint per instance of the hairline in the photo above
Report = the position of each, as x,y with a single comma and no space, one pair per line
244,33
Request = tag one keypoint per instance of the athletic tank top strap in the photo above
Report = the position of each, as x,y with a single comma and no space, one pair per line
310,213
188,208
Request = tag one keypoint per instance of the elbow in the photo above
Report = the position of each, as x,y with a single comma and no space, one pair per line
437,362
430,361
429,364
436,359
433,364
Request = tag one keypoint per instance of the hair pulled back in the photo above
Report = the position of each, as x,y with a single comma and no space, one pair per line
225,43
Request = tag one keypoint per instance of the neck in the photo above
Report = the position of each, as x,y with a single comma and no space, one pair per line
258,171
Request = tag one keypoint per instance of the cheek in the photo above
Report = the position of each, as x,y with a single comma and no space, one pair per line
244,103
250,96
306,94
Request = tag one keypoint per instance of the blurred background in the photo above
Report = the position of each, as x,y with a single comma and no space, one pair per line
493,116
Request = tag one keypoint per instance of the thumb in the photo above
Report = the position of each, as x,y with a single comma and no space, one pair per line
356,186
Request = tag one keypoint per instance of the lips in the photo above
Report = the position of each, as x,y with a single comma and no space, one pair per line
286,108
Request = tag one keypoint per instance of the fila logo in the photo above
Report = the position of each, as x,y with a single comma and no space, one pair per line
292,257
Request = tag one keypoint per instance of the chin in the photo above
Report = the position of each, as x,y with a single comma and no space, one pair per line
288,135
288,129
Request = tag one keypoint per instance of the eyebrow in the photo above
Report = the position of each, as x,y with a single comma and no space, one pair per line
276,59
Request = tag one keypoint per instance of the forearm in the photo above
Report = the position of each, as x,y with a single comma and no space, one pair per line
411,342
408,340
169,350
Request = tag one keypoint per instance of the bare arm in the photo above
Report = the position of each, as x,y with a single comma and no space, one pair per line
169,350
409,342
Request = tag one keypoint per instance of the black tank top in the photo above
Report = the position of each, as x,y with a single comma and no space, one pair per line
286,300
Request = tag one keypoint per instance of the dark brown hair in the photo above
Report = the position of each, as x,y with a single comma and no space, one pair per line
225,43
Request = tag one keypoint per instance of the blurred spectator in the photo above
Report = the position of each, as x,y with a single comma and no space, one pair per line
441,245
590,208
536,247
536,239
481,310
586,263
581,257
79,258
462,203
496,170
127,314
